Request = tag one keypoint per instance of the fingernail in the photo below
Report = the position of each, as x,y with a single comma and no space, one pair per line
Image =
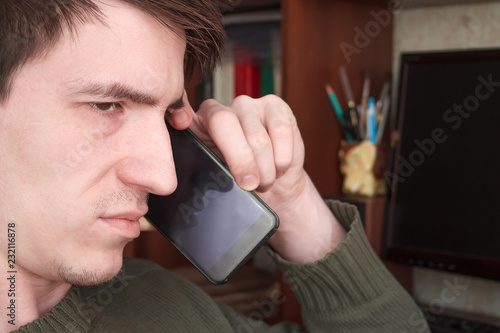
249,183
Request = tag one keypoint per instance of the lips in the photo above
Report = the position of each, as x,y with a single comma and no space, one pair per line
126,223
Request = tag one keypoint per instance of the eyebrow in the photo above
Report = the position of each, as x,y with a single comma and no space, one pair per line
118,91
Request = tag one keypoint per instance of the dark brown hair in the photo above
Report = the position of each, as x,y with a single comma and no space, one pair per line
31,28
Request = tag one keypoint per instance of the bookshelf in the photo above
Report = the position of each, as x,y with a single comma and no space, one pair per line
315,35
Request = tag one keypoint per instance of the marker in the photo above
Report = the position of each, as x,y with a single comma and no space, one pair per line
344,79
338,111
371,121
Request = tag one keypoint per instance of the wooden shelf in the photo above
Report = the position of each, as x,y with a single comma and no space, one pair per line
313,32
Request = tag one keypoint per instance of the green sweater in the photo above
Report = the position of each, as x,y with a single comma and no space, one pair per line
347,291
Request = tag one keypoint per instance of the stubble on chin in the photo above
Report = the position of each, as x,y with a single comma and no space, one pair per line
85,277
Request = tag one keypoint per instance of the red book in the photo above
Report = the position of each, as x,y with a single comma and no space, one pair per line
246,72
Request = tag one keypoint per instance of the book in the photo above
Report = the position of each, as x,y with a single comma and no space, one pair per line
223,79
251,64
246,72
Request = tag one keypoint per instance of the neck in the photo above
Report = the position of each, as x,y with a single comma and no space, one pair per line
25,297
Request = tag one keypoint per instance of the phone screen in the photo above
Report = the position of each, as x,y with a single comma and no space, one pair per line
209,218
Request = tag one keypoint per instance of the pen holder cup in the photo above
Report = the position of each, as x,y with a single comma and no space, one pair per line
363,165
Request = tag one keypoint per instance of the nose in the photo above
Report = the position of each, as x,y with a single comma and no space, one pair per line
148,164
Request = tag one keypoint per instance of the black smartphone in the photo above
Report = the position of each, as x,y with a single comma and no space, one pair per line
217,225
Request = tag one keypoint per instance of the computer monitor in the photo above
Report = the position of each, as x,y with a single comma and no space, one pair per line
443,202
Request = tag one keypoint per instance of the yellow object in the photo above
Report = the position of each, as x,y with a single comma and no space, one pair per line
357,164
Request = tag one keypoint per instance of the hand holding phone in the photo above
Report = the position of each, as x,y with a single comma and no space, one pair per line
217,225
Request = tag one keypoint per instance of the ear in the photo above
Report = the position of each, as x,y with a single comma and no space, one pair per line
182,118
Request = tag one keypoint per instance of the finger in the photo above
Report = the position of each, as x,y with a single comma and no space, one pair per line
224,128
259,141
280,123
181,118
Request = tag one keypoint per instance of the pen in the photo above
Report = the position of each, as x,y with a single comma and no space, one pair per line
364,105
383,118
371,121
352,115
380,102
338,111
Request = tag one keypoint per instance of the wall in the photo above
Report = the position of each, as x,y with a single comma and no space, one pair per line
437,28
446,27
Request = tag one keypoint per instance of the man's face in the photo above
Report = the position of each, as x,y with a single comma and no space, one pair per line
83,141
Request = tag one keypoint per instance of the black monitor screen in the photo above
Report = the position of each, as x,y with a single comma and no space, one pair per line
444,183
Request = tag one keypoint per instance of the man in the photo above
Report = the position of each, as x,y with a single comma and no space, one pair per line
85,87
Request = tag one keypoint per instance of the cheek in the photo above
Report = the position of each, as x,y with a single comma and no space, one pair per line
43,166
33,154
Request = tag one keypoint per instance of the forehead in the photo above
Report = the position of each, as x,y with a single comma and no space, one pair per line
129,47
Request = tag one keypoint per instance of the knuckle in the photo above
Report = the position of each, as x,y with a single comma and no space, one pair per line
243,100
210,105
274,99
282,130
276,102
280,110
258,140
221,116
245,153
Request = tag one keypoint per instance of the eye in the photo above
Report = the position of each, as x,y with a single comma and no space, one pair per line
106,107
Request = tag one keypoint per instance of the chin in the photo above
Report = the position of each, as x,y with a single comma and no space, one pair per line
90,274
